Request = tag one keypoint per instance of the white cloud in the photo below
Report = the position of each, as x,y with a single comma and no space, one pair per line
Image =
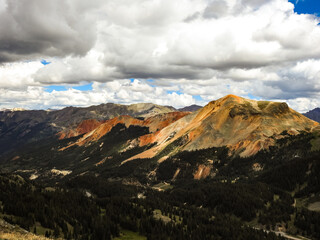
18,74
197,47
304,104
123,91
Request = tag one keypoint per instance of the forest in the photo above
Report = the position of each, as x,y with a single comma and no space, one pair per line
68,213
234,203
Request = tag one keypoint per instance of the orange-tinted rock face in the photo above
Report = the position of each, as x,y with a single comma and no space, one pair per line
106,127
160,121
157,123
84,127
148,139
87,126
154,123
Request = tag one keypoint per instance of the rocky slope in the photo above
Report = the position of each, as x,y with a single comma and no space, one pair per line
95,130
244,126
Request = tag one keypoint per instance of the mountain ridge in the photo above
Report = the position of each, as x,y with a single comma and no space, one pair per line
191,108
313,114
20,127
154,123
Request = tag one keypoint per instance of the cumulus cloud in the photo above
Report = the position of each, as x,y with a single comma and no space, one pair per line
151,39
121,91
53,28
18,75
203,48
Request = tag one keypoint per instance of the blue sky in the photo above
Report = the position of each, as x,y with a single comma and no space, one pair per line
58,88
307,6
45,62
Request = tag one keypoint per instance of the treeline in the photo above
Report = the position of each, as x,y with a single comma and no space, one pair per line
187,162
285,152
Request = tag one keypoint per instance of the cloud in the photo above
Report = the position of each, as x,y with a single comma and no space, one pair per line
151,39
32,28
301,80
197,47
123,91
18,75
303,105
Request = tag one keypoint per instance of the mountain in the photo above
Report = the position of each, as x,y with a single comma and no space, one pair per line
244,126
191,108
241,126
234,169
18,128
313,114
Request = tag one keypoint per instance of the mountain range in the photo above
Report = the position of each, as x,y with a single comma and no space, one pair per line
243,126
256,161
20,127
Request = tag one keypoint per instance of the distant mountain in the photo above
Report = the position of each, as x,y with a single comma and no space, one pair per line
313,114
18,128
191,108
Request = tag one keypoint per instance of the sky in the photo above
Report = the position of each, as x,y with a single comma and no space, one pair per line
62,53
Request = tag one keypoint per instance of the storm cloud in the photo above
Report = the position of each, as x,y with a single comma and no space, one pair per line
31,28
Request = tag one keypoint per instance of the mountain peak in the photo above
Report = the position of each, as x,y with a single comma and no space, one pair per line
231,96
227,98
244,126
238,105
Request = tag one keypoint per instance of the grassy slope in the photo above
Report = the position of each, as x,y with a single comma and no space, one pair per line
10,232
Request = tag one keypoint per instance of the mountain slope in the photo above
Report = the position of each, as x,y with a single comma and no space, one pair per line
245,126
18,128
313,114
154,123
11,232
